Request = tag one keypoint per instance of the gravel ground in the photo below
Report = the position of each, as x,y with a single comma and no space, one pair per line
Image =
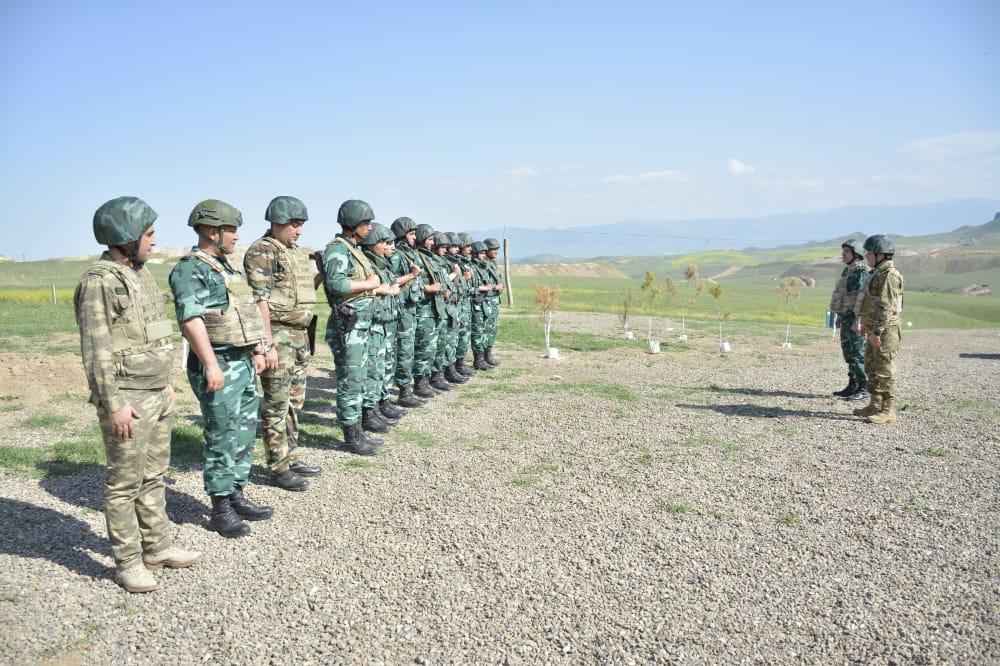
615,507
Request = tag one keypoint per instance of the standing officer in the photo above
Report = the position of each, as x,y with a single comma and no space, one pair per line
218,314
492,250
281,276
880,310
404,261
127,354
846,303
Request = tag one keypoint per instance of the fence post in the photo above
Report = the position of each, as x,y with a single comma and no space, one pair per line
53,295
506,273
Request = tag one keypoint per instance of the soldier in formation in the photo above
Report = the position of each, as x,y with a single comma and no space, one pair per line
846,304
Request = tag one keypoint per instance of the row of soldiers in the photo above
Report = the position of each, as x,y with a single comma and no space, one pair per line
406,304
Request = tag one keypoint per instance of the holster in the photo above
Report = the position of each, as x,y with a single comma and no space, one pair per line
347,317
311,335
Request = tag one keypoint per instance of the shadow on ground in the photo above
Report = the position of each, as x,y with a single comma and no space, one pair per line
986,357
760,411
33,531
763,393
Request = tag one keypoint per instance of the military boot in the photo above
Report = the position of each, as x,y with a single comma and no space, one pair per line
858,396
172,558
407,398
371,422
478,363
438,381
454,376
885,415
289,480
303,469
463,368
423,389
224,520
246,509
873,407
390,410
382,416
490,358
849,390
355,442
136,578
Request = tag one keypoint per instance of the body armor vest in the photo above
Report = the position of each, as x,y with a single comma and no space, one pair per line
241,324
292,292
362,270
873,301
843,301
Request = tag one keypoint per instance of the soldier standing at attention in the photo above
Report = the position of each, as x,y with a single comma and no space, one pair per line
446,353
496,279
282,278
127,354
464,254
482,305
404,261
218,315
352,284
846,304
431,316
880,310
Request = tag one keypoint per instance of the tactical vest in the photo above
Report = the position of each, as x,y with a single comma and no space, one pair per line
843,300
241,324
876,285
292,292
385,306
413,291
140,335
494,273
363,269
430,267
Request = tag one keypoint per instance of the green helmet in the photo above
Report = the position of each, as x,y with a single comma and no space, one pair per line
353,212
454,239
424,231
215,213
377,234
441,239
402,226
492,244
479,246
879,244
284,209
856,247
122,221
466,239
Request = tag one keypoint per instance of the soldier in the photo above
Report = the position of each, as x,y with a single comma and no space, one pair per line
218,315
127,354
482,306
446,352
431,317
464,253
492,250
846,303
880,310
282,278
352,284
460,290
404,261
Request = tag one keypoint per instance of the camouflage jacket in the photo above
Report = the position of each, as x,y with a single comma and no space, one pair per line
384,308
405,256
124,331
343,263
883,299
282,276
494,275
849,292
430,264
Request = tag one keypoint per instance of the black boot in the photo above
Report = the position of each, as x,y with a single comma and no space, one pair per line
453,376
850,389
463,368
858,396
371,422
289,480
438,381
423,389
490,358
225,521
478,363
389,410
355,442
382,416
302,469
247,509
407,398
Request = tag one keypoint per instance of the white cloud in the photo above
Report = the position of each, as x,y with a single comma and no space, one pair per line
523,171
668,176
738,168
956,144
572,166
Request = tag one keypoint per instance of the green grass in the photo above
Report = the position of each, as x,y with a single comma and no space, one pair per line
357,464
933,452
670,506
788,519
421,439
529,475
524,331
45,421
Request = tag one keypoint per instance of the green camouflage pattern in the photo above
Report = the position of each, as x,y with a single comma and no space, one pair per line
353,212
492,244
384,314
122,220
343,263
388,378
284,209
215,213
197,287
284,394
402,226
493,320
482,306
427,329
849,290
412,295
375,370
852,347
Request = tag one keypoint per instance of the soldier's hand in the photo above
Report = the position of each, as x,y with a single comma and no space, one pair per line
374,280
857,327
382,289
121,422
467,275
271,360
415,269
394,290
259,362
214,379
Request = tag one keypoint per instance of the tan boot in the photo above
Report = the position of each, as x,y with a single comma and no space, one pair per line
873,407
886,415
173,557
136,578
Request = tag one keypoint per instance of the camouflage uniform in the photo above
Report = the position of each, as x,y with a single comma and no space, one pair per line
431,315
127,354
880,309
283,276
465,305
447,328
482,303
846,302
411,299
495,277
380,360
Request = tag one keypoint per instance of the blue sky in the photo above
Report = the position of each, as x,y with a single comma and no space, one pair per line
469,115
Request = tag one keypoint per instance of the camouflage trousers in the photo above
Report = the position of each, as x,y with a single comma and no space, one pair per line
391,332
852,346
375,367
447,341
880,362
350,358
464,328
284,395
406,330
230,416
425,342
479,330
134,505
494,320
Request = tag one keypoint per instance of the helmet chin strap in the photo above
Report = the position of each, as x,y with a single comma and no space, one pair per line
131,252
217,243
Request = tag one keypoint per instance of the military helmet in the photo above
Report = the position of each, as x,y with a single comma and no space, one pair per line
879,244
466,239
284,209
442,239
454,239
215,213
479,246
378,234
123,220
402,226
424,231
492,244
855,245
353,212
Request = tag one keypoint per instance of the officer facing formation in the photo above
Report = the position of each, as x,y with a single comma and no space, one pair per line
219,316
127,354
846,304
879,321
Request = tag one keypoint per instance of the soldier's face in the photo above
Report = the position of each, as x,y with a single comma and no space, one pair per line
870,258
467,251
441,250
481,256
228,237
362,229
411,238
846,255
289,233
453,249
146,244
390,249
493,253
429,243
379,248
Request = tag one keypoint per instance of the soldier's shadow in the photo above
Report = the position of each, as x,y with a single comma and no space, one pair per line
27,530
763,393
761,411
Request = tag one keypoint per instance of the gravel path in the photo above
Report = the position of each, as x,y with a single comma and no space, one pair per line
615,507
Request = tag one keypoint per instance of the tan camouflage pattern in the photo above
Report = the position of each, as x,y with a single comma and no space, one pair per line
284,396
845,299
283,276
241,324
882,305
